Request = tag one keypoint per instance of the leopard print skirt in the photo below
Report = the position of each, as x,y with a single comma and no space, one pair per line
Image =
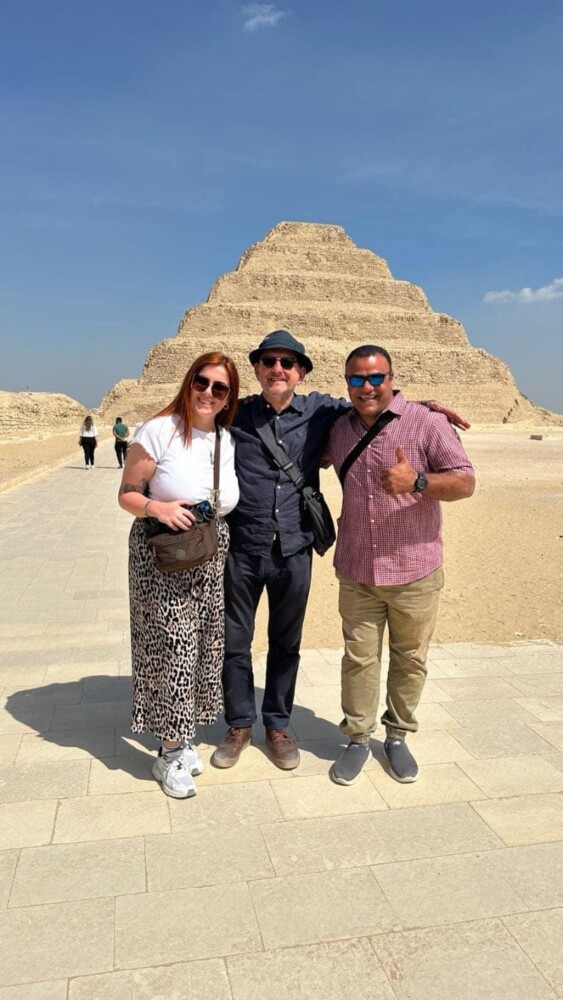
177,638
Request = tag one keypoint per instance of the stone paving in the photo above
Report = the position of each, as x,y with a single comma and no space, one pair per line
449,889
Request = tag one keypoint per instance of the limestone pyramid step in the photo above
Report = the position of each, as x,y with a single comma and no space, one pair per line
322,262
360,323
242,286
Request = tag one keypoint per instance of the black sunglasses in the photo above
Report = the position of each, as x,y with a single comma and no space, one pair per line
269,362
357,381
218,389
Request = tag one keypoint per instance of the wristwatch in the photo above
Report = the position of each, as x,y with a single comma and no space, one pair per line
420,483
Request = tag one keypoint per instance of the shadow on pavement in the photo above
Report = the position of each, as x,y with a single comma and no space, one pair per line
93,713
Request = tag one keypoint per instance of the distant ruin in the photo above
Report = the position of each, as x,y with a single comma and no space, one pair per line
313,280
29,414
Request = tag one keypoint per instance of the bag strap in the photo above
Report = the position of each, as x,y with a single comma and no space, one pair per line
281,458
216,471
358,448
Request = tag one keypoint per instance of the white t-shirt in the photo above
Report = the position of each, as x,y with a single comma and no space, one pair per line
185,472
92,433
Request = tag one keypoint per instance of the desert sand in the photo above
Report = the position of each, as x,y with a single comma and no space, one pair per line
503,547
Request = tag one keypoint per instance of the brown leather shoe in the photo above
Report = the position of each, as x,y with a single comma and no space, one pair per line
231,747
282,748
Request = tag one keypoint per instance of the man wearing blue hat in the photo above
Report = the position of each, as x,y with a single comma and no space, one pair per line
271,544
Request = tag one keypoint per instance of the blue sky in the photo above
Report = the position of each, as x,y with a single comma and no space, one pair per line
144,146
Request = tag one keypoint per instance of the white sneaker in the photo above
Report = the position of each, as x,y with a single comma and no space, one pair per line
191,758
174,776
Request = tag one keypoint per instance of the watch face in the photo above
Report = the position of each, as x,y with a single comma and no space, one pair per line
421,482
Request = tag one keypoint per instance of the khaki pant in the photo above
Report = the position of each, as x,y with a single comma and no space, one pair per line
409,610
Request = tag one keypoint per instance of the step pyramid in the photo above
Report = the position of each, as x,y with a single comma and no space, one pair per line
313,280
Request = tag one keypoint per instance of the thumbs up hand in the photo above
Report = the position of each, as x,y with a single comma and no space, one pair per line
400,478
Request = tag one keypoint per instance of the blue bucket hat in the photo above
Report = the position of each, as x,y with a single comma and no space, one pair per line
281,339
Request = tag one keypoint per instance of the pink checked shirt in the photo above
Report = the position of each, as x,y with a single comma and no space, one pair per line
386,539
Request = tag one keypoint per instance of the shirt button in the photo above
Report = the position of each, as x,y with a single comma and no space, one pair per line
278,487
371,496
372,520
277,510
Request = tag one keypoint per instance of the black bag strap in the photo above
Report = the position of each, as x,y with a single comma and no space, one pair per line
265,431
358,448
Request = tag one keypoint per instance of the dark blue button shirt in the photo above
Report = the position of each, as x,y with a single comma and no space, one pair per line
269,502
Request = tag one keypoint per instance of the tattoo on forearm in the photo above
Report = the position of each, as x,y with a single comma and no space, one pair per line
134,487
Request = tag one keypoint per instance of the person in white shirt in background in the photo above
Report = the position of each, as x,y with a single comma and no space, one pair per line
88,440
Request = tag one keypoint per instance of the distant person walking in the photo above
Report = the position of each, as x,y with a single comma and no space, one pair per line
88,440
121,433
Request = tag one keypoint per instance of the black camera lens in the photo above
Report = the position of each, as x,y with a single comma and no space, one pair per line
202,511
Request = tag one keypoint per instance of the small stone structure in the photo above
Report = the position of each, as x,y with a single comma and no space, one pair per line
314,281
29,414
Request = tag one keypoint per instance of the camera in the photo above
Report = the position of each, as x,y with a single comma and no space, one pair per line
203,511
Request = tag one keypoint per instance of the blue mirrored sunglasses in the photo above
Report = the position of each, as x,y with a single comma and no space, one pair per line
357,381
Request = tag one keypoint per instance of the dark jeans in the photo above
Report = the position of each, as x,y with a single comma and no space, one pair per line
89,447
120,451
287,581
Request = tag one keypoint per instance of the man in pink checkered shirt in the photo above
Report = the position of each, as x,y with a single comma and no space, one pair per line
389,555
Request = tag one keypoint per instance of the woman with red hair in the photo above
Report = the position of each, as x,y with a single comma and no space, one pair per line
177,619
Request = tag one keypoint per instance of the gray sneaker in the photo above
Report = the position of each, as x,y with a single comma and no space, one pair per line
402,764
348,768
171,770
191,758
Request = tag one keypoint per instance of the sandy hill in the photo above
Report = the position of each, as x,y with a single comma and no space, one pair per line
25,414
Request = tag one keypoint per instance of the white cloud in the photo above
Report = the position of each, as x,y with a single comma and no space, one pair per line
547,293
261,15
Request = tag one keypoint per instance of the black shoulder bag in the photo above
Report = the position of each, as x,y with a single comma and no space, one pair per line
313,500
